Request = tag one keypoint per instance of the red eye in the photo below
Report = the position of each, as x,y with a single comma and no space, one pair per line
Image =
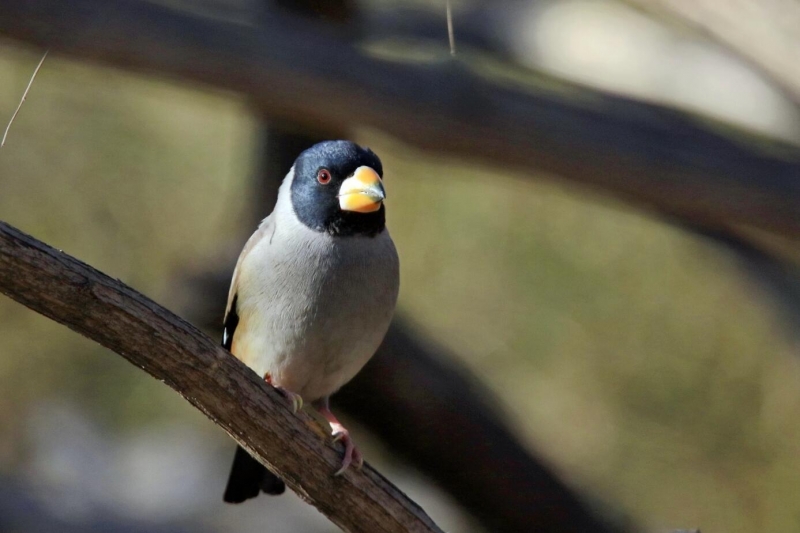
324,176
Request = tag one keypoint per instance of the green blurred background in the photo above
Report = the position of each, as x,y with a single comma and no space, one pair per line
639,359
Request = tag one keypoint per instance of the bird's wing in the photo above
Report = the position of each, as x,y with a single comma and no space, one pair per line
248,477
231,320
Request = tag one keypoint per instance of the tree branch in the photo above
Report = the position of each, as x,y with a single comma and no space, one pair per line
651,156
231,395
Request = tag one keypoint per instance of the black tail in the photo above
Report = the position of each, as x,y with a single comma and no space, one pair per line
248,477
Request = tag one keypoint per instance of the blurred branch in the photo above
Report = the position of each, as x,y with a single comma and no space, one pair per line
771,260
764,32
648,155
231,395
450,426
774,270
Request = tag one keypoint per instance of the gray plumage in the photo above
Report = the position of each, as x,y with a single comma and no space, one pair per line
310,303
312,307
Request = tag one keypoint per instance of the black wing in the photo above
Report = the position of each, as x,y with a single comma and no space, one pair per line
229,325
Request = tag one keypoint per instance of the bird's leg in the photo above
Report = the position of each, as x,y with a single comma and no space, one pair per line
352,456
295,399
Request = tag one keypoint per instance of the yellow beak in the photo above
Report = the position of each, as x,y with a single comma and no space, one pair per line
362,192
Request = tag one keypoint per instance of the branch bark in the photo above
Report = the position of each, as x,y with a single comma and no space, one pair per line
107,311
653,157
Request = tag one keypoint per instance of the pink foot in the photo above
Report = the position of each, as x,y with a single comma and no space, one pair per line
352,455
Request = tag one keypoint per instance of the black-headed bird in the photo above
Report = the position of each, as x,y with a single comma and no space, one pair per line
313,292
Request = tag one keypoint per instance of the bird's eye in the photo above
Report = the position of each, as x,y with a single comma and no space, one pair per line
324,176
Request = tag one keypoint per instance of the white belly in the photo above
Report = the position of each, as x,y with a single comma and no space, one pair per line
313,312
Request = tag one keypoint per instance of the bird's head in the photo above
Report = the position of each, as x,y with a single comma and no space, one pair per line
337,189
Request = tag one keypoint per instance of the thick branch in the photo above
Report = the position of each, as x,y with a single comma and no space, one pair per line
651,156
175,352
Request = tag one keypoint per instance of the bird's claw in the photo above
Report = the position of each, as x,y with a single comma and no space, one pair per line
295,399
352,455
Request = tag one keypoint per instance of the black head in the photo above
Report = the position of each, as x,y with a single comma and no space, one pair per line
318,176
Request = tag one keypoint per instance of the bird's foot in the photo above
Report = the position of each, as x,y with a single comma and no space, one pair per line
352,455
295,399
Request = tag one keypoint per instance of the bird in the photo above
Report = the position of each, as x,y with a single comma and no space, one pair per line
313,292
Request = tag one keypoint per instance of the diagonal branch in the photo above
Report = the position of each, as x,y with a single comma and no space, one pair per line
667,161
107,311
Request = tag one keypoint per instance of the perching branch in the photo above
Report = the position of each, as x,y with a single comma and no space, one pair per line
107,311
661,159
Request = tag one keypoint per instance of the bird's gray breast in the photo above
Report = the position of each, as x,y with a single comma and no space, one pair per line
316,307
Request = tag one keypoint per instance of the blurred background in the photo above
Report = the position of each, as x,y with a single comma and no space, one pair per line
646,365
